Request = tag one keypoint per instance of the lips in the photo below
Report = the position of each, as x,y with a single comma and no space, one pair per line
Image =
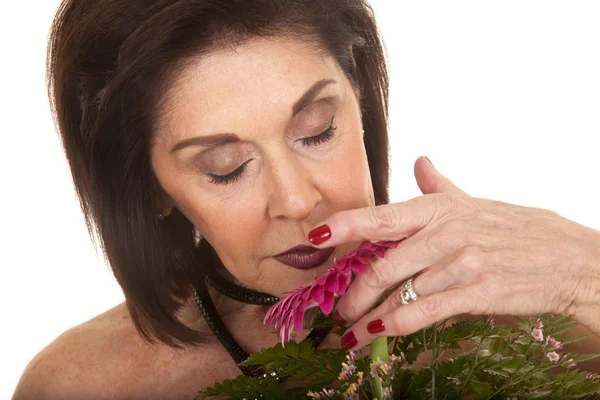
305,257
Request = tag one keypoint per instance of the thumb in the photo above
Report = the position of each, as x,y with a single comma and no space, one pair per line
430,180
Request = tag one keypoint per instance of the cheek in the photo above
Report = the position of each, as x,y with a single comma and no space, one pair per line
236,246
219,221
349,179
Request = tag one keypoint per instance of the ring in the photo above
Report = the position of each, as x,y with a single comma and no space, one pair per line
407,293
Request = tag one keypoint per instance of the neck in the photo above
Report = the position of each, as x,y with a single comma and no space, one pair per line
244,321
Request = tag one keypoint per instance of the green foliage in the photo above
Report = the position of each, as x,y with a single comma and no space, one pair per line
296,362
501,362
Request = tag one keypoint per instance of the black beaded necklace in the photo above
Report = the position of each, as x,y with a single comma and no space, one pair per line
217,326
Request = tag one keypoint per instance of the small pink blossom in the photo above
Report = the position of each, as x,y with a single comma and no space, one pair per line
590,377
537,334
552,356
570,363
387,393
348,370
556,345
387,369
324,394
539,324
288,313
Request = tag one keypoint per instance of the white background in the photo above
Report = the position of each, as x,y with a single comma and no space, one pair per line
504,98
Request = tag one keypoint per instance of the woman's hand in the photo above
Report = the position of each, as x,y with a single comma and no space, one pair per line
470,256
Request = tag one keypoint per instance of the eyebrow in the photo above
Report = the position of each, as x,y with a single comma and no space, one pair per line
224,138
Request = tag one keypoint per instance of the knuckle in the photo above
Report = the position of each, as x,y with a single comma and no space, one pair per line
470,256
378,274
384,218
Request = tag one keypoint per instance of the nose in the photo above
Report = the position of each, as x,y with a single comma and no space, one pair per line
292,190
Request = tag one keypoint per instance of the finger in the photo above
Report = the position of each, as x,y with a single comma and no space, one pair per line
430,180
385,222
409,318
461,268
408,258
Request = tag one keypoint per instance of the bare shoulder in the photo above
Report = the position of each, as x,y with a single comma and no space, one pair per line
105,358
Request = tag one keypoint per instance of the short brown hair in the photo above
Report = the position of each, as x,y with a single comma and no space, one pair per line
109,64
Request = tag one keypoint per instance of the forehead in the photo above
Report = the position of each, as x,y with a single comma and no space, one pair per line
244,88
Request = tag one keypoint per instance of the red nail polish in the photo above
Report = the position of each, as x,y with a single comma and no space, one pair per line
319,234
376,326
338,319
349,340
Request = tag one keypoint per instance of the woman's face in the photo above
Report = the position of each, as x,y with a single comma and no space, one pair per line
244,156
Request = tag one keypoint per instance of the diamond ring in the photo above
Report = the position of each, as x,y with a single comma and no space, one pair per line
407,293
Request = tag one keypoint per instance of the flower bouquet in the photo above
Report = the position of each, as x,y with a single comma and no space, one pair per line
523,362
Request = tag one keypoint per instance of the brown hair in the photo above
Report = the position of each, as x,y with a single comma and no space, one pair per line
109,64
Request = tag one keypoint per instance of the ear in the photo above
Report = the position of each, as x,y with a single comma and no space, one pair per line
165,203
430,180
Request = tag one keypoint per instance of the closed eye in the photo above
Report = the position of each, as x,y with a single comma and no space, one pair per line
320,138
234,176
229,178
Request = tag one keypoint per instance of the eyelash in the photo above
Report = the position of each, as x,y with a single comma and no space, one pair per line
233,177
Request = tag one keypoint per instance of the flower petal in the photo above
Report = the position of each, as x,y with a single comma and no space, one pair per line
343,284
321,279
299,320
317,293
343,266
331,283
366,245
287,327
363,256
327,304
379,252
358,267
290,311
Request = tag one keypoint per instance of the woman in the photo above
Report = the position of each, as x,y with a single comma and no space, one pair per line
206,139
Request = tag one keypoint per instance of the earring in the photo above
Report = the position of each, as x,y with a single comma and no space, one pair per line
160,216
197,237
363,133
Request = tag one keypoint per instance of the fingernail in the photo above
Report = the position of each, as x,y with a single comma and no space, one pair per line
349,340
430,161
338,319
376,326
319,234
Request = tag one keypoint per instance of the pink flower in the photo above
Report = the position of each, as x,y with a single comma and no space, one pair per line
348,368
288,313
539,324
537,334
556,345
387,393
552,356
570,363
324,394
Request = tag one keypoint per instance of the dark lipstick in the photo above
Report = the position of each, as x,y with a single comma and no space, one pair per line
304,257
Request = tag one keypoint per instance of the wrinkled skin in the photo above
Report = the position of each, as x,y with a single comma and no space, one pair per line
471,256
